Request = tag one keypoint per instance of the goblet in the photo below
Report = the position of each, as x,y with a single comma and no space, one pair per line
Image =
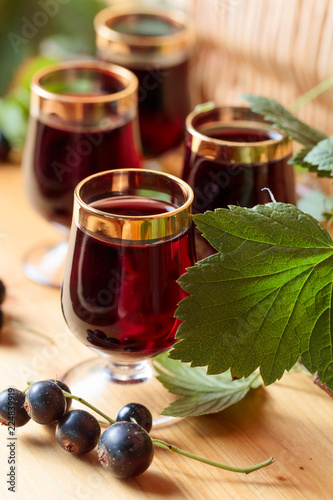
231,155
155,43
83,119
131,238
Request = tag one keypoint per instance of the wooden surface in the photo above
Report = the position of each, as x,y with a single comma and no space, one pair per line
290,420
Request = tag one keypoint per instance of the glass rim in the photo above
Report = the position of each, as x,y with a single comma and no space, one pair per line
185,206
236,152
185,34
264,124
112,69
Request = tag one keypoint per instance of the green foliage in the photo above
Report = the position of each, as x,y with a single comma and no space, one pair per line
321,159
298,159
317,204
322,155
200,394
22,31
14,108
264,300
283,119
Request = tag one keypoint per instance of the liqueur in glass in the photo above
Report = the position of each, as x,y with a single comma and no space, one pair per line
231,155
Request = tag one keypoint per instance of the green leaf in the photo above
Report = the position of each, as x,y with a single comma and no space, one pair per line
14,107
264,300
283,119
13,122
298,158
316,203
322,155
200,394
205,106
29,69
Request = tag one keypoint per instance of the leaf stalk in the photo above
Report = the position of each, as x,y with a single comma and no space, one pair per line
244,470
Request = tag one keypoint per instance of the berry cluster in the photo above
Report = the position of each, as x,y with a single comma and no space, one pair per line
125,448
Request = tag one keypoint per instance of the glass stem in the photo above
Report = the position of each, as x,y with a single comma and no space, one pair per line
245,470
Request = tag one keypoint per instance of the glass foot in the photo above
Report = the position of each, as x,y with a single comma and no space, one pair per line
44,263
109,386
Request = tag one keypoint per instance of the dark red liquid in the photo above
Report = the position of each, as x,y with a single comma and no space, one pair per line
240,135
57,159
219,183
163,92
163,107
120,297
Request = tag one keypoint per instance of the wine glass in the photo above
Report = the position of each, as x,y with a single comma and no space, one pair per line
131,239
231,155
155,43
83,119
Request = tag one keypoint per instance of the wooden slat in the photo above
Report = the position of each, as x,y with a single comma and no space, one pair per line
277,48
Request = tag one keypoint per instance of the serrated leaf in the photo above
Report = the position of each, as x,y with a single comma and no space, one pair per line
322,155
200,394
316,203
264,300
298,158
283,119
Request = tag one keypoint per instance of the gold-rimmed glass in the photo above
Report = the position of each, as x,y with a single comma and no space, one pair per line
83,119
232,154
131,238
155,43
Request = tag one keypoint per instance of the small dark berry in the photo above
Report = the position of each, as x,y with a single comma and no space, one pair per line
135,412
12,411
125,449
2,291
78,432
4,148
45,402
64,387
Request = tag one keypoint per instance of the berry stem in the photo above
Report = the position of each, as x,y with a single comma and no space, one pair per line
245,470
84,402
27,388
171,447
103,424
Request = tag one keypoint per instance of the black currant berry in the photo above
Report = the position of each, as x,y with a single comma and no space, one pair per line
2,291
45,402
4,147
135,412
12,411
64,387
78,432
125,449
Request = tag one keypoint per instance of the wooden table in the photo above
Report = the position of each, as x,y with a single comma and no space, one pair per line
290,420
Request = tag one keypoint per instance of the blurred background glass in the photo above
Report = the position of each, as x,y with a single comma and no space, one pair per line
275,48
33,34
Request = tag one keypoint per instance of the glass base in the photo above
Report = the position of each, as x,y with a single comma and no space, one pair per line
108,386
44,264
